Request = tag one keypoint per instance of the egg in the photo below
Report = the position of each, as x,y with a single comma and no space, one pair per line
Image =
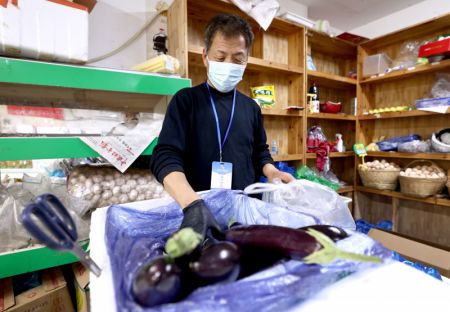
114,200
109,177
120,181
97,178
88,183
140,197
82,178
117,175
141,181
159,189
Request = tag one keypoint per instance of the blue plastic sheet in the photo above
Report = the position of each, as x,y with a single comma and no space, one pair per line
133,237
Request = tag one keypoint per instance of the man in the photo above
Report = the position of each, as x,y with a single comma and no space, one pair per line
212,132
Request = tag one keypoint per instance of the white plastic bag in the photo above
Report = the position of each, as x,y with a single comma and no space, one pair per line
309,198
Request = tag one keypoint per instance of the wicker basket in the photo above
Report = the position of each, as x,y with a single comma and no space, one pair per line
422,187
379,179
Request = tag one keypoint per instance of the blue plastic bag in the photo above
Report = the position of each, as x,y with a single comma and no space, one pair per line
133,237
391,144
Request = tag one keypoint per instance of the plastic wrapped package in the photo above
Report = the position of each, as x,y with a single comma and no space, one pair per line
407,56
133,237
13,200
392,143
415,146
441,86
318,201
104,186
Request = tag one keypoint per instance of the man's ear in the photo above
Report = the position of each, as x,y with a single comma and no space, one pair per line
205,61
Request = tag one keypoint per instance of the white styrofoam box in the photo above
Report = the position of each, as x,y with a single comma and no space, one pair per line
45,30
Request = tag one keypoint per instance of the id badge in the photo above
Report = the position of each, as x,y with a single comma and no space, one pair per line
221,175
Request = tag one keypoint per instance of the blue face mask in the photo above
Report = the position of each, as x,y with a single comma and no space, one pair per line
225,76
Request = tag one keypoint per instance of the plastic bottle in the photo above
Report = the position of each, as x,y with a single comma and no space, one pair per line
339,143
274,148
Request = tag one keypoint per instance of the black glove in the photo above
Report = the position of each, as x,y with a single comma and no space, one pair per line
199,218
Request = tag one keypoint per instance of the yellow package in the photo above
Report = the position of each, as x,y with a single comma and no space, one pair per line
264,95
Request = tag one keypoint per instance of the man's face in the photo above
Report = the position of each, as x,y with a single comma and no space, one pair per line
223,49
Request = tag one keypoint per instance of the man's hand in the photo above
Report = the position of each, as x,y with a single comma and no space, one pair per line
273,173
199,218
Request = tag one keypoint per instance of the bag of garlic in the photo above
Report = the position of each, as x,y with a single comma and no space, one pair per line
104,186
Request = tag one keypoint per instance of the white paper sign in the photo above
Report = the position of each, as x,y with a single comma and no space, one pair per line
122,151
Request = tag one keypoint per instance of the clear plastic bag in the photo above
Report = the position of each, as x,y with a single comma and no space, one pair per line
133,237
441,86
306,197
13,200
415,146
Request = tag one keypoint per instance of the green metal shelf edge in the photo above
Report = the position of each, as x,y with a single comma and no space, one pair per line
34,259
48,148
83,77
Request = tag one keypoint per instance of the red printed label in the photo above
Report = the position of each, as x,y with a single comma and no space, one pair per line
45,112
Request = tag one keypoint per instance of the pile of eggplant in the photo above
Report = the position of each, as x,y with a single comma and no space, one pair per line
190,263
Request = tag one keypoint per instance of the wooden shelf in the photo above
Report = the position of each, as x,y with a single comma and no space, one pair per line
332,81
345,189
428,200
413,113
331,116
254,63
281,112
436,156
287,157
404,73
332,155
323,43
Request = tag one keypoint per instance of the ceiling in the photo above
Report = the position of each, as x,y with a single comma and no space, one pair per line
349,14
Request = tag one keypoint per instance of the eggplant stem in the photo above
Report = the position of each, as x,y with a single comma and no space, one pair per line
330,252
182,242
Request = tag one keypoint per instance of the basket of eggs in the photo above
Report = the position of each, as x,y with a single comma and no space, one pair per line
379,174
422,178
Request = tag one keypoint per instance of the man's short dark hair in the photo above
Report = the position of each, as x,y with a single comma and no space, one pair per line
230,26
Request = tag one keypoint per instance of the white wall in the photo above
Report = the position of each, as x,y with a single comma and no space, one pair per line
111,23
404,18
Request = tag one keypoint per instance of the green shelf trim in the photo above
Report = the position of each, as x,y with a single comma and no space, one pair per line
48,148
83,77
34,259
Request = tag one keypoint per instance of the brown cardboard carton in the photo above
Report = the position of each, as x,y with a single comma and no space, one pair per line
81,285
427,253
51,296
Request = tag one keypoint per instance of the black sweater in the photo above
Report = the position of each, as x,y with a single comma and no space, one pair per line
188,140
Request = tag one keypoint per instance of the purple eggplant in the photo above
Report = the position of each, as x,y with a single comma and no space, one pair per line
287,242
157,282
218,263
333,232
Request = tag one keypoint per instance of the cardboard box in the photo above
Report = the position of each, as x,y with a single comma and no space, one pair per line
50,30
427,253
81,285
51,296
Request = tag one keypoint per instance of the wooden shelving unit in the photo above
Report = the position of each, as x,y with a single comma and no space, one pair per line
331,116
431,156
429,200
332,79
405,114
281,112
401,74
332,155
278,57
424,218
